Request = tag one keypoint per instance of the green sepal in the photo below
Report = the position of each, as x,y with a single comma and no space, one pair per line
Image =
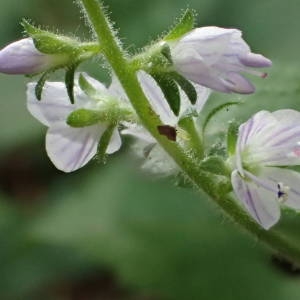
50,43
232,135
69,81
186,86
40,84
185,24
87,88
216,110
166,52
215,165
170,91
104,142
84,117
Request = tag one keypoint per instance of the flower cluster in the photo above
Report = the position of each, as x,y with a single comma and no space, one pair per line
196,63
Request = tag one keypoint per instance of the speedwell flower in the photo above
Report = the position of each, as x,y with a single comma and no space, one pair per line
161,107
70,148
266,143
156,159
22,57
215,57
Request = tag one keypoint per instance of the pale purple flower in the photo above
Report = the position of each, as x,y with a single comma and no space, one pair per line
161,107
155,159
215,57
266,144
22,57
69,148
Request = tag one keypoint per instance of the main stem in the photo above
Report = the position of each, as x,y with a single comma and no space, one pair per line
127,75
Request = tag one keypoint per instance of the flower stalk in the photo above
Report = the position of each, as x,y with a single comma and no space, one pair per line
111,49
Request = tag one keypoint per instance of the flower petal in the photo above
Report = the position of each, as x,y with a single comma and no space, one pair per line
21,57
202,96
238,83
156,98
55,105
261,204
139,132
114,143
255,60
71,148
290,180
115,89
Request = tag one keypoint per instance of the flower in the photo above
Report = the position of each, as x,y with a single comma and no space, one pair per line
215,57
70,148
160,105
22,57
156,159
266,143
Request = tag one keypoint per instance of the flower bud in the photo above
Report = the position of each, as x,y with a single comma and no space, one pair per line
215,57
22,57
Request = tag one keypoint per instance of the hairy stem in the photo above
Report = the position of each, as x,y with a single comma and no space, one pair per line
113,52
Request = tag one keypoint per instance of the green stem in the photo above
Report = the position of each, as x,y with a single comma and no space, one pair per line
195,140
112,50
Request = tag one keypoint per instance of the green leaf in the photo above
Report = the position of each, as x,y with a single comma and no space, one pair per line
232,135
216,110
50,43
185,24
215,165
40,84
166,52
186,85
83,117
170,91
69,81
104,142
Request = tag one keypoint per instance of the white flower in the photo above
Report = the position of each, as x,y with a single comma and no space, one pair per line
69,148
215,57
157,160
161,107
21,57
266,143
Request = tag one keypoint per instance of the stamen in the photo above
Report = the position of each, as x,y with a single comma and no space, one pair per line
282,193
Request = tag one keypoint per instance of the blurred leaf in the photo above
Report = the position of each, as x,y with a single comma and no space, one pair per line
159,238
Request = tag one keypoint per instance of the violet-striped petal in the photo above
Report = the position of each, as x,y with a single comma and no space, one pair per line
238,83
261,203
71,148
255,60
21,57
290,182
54,106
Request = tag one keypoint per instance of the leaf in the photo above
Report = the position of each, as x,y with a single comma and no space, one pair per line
215,165
69,81
216,110
186,85
185,24
232,135
104,142
170,91
40,84
50,43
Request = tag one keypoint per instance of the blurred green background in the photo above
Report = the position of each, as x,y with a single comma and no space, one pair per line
109,231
